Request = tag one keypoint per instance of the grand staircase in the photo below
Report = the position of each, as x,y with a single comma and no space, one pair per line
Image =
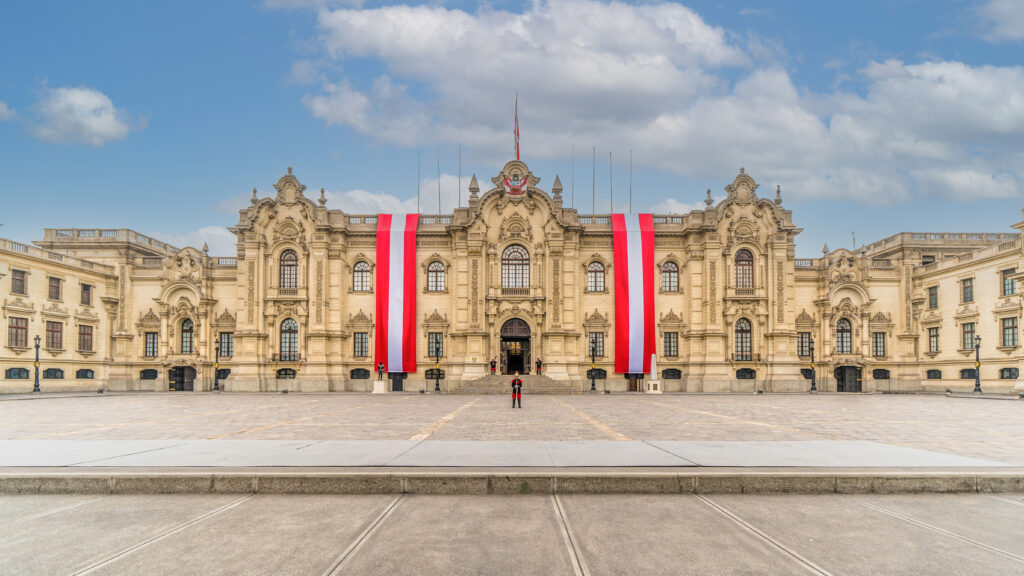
532,384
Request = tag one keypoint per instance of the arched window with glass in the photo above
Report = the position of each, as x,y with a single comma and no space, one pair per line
595,277
361,277
670,277
744,350
844,337
289,340
289,269
515,267
435,277
187,336
744,269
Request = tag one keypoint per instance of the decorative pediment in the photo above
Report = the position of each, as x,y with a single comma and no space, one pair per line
1007,305
150,318
742,189
435,320
515,228
596,320
965,312
845,267
931,317
805,319
360,320
55,309
17,303
225,319
881,318
845,308
86,313
670,320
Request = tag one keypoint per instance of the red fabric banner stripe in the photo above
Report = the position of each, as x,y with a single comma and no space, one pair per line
409,302
383,265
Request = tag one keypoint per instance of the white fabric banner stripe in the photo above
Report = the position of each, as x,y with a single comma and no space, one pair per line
396,289
635,256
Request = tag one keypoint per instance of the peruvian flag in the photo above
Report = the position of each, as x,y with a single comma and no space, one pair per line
633,243
396,292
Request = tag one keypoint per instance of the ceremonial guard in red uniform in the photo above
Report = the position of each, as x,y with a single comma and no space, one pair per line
494,364
517,390
538,366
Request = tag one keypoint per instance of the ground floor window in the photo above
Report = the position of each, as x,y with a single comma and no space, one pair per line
934,375
803,344
53,374
54,336
878,344
968,374
16,374
85,338
286,374
880,374
746,374
933,339
1008,374
148,374
967,329
671,374
152,343
17,332
84,374
1009,331
435,344
671,345
360,374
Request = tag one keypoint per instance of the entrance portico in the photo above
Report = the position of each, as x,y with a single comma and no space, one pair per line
515,346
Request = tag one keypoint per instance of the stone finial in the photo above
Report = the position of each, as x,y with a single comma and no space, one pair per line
474,188
741,170
824,249
323,198
556,188
708,201
778,195
205,247
290,170
253,196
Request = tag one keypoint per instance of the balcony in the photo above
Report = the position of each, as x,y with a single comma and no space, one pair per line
515,291
745,357
286,357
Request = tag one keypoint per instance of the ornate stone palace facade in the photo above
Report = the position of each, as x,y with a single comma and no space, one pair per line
513,278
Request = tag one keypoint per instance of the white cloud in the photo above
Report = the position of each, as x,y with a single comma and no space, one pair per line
1003,20
305,72
219,239
364,202
5,112
82,116
673,206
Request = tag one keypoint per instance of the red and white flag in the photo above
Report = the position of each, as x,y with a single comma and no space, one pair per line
396,292
633,243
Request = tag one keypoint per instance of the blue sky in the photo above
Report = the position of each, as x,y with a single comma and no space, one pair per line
874,117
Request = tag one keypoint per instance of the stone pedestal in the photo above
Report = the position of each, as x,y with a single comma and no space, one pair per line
380,386
653,387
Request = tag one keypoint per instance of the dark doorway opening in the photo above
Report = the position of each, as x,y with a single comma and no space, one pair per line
182,379
848,379
515,347
397,381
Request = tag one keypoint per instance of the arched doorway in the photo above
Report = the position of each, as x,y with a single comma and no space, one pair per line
515,346
182,379
848,379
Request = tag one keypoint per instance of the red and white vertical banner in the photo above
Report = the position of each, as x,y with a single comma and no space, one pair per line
633,243
396,292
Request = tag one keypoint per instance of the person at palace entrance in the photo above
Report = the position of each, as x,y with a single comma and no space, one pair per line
517,390
494,365
538,366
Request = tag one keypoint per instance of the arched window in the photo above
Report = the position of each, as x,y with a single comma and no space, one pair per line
880,374
53,374
84,374
286,374
289,340
746,374
515,267
744,269
844,337
934,375
595,277
670,277
148,374
187,333
435,277
289,269
361,277
743,346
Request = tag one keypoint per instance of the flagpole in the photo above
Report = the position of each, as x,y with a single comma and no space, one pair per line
593,181
517,124
630,181
460,176
439,180
417,180
573,164
611,196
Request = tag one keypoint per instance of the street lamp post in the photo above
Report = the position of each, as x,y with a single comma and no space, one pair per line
216,368
593,360
36,387
814,384
977,364
437,369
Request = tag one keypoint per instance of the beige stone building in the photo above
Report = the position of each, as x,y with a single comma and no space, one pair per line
513,278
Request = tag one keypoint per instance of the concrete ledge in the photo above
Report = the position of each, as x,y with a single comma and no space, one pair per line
494,481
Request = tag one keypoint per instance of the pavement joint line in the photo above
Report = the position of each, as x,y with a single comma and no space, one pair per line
349,552
934,528
158,448
810,566
54,511
111,559
429,430
579,567
608,430
403,453
670,453
301,419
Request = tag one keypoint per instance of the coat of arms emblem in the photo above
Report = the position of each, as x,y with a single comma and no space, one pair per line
515,184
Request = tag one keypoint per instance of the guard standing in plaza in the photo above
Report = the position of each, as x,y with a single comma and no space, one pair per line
517,390
494,364
380,370
538,365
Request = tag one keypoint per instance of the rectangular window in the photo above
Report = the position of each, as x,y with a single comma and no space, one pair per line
803,344
927,259
878,344
933,339
18,282
1009,331
152,344
361,344
54,336
967,289
435,344
86,295
933,297
1009,284
671,343
54,288
968,336
85,338
227,344
596,344
17,332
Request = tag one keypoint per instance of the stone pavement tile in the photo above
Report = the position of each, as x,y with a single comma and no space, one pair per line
474,453
610,453
71,540
15,508
456,535
265,535
813,453
71,452
663,534
209,453
845,537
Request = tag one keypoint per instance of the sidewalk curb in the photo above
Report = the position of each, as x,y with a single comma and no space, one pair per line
519,482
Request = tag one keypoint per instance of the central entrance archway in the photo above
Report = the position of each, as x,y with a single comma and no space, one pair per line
515,346
848,379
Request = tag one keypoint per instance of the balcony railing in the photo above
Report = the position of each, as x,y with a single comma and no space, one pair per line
746,357
286,357
288,291
515,291
746,291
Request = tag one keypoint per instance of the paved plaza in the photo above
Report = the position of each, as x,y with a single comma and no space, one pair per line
988,429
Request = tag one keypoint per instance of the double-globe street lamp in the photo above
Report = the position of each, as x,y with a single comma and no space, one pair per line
36,387
977,364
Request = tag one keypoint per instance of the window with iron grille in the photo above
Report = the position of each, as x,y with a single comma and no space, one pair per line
16,374
1009,284
803,344
435,344
933,297
744,269
54,335
361,277
670,277
967,289
286,374
671,374
743,343
880,374
187,336
53,374
878,344
1008,374
361,344
289,340
1009,331
54,288
934,375
595,277
968,374
227,344
671,344
967,330
359,374
148,374
84,374
844,337
289,269
152,344
933,339
18,282
85,338
596,347
515,267
86,295
17,332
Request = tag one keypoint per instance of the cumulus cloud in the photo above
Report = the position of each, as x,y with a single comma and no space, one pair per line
219,239
364,202
82,116
5,112
685,96
1002,20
